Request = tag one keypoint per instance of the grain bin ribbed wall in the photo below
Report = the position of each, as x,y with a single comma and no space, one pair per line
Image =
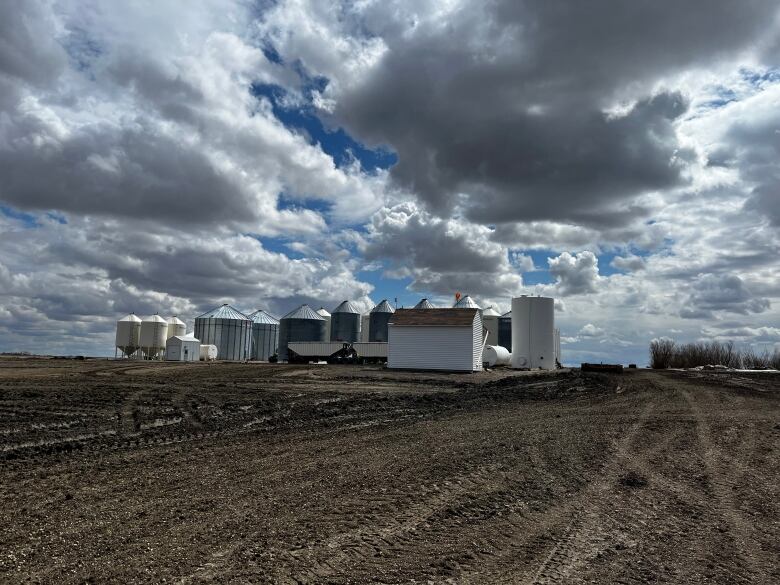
228,329
378,321
265,335
345,323
302,324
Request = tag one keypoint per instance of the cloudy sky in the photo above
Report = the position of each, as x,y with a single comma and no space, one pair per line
619,156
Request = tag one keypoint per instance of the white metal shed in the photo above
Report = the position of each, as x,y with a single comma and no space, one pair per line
436,339
182,348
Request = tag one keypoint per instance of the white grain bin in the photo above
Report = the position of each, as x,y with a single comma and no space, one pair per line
533,338
176,327
495,355
208,353
378,319
365,322
182,348
227,328
323,312
345,323
490,319
154,332
128,335
436,339
466,303
265,335
424,304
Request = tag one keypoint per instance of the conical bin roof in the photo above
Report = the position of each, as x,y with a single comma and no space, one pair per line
304,312
466,303
346,307
383,307
424,304
224,312
261,316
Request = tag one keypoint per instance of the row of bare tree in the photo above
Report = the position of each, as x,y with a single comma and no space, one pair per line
666,353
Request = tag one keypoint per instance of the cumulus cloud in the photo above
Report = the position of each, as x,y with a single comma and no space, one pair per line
630,262
721,293
575,274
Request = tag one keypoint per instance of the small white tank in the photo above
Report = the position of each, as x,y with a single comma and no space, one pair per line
176,327
208,353
495,355
128,334
533,340
154,333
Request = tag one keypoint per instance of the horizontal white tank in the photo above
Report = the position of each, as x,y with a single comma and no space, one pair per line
495,355
154,333
533,339
208,353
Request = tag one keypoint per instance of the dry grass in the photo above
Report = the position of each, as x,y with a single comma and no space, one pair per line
666,353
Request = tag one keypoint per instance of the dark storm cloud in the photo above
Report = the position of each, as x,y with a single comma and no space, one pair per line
721,293
505,105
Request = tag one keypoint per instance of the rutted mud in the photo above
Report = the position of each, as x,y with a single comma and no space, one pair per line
126,472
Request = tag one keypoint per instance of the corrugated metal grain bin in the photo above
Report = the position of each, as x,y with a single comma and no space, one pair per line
345,323
302,324
265,335
227,328
378,320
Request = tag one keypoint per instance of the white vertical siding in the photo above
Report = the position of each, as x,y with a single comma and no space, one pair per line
477,336
435,347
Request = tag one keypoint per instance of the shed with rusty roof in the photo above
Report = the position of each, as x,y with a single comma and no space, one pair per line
436,339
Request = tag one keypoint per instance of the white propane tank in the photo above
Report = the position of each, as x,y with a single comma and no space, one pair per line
128,334
208,353
495,355
176,327
154,333
533,339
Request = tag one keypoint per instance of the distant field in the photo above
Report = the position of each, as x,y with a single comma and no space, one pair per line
136,472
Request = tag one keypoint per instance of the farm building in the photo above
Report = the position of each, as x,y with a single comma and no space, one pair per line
182,348
436,339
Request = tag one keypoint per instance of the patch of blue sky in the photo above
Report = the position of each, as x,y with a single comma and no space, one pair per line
27,220
81,49
59,218
335,142
541,273
390,288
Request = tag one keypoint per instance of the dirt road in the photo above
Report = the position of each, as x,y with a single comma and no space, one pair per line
126,472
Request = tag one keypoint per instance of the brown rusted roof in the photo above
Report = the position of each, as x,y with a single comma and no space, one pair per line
434,317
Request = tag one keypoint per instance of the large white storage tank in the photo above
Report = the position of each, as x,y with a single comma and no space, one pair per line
128,335
154,333
533,337
490,319
176,327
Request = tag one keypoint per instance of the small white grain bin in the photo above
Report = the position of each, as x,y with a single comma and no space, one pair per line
182,348
128,335
533,337
495,355
154,332
176,327
490,319
436,339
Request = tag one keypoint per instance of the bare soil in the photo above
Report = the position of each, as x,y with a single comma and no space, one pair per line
131,472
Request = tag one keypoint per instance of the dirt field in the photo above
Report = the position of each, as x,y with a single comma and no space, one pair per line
128,472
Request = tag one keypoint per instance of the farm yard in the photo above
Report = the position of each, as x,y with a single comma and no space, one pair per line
131,472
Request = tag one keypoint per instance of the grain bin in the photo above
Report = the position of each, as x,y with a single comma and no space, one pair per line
176,327
265,335
424,304
302,324
505,331
128,335
533,337
345,323
154,332
490,319
323,312
227,328
379,318
365,320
